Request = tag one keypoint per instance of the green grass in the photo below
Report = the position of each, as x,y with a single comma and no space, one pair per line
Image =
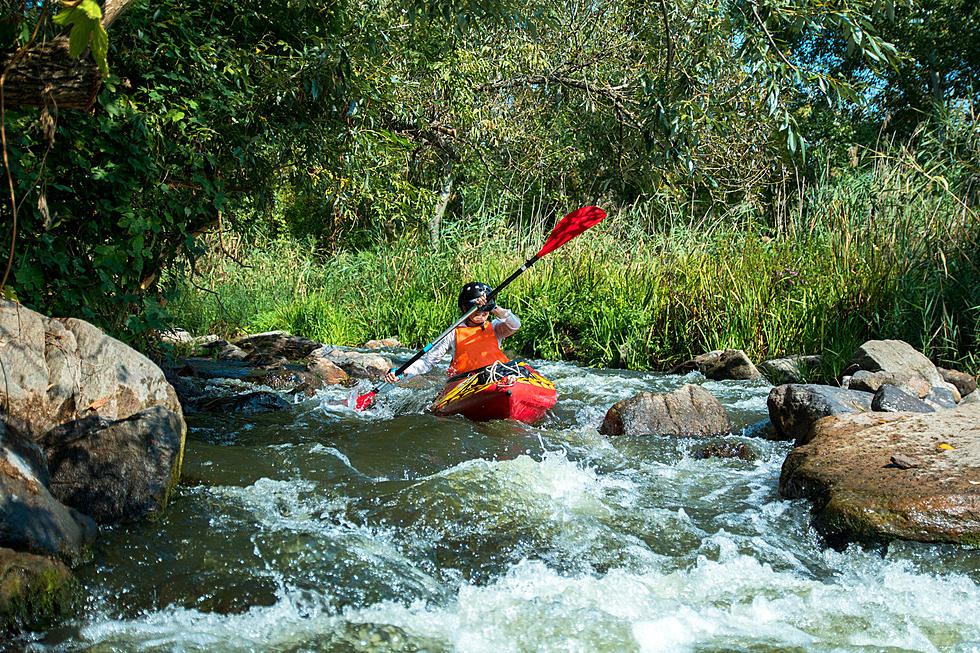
866,255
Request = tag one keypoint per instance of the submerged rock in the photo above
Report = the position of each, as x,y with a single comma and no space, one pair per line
688,411
860,492
116,471
724,450
251,402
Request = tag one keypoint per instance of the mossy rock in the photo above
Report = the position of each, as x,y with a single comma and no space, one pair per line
35,591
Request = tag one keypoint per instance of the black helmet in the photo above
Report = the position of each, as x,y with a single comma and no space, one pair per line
470,292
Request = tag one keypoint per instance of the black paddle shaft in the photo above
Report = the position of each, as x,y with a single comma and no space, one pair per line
493,293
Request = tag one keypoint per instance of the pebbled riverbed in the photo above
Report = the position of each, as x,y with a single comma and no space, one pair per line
318,529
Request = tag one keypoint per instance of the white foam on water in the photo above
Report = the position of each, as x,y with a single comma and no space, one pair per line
727,603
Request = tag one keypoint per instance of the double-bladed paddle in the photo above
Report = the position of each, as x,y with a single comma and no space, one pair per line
570,226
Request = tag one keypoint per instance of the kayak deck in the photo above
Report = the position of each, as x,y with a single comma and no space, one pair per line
488,394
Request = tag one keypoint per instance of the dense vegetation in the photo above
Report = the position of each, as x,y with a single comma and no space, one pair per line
784,177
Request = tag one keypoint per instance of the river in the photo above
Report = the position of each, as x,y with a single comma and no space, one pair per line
319,529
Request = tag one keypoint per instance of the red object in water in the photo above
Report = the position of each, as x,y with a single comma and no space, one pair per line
364,401
525,399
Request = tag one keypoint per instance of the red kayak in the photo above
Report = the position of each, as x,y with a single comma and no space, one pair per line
501,391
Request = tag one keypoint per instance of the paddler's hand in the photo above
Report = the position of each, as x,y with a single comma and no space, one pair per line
390,377
481,303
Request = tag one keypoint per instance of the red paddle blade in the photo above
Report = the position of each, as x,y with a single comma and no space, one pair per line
572,225
364,401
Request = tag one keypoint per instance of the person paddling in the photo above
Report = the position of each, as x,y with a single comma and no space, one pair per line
475,343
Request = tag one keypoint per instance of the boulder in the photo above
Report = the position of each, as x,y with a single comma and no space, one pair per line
35,591
287,380
907,382
721,365
882,476
688,411
57,370
794,408
357,364
890,399
792,369
964,383
250,402
278,344
116,471
385,342
31,519
327,370
224,350
893,356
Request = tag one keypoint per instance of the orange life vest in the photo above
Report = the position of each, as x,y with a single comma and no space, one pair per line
476,347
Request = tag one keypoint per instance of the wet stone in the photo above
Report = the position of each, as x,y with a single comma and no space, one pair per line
724,450
890,399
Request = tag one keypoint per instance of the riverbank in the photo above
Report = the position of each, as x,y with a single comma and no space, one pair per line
618,298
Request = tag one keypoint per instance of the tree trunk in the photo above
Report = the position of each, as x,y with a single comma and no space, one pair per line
444,194
46,75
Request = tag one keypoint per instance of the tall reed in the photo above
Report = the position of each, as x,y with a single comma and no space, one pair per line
883,250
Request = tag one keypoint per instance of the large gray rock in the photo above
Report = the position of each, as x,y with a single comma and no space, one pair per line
792,369
794,408
721,365
31,519
893,356
357,364
688,411
909,383
57,370
116,471
882,476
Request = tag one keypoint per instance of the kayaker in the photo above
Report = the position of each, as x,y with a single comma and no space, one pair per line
474,344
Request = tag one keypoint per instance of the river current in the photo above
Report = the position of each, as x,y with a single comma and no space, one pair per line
321,529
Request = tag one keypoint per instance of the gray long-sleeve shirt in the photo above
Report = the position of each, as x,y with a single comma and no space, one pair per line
506,324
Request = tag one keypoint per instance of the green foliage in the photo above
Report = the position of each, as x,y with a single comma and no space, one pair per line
338,124
85,20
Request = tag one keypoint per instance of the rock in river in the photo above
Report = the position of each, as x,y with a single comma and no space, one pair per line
720,365
116,471
794,408
61,369
882,476
688,411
